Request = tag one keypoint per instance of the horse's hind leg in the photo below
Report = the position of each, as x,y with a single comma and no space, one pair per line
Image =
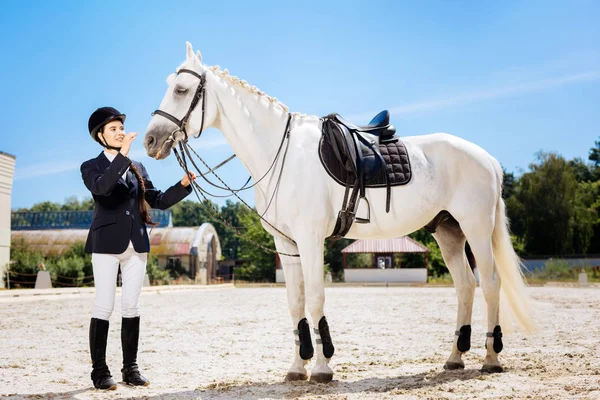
479,235
294,282
451,240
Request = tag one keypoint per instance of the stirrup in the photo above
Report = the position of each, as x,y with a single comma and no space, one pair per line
367,220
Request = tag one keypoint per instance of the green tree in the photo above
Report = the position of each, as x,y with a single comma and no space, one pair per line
594,156
44,206
191,213
437,266
586,218
334,258
260,265
509,184
73,204
547,193
230,242
583,172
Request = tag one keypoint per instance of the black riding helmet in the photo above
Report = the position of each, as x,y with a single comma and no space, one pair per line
101,117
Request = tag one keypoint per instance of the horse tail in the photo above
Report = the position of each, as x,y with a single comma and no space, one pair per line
515,301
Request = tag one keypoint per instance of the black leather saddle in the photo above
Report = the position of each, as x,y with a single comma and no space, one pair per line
359,157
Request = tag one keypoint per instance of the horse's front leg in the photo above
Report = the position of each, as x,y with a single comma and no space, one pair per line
311,251
294,282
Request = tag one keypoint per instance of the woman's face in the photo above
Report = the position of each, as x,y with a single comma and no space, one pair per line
113,133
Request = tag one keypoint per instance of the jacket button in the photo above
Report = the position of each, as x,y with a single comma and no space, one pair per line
127,212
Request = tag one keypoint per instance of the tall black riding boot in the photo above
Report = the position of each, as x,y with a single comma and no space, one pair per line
130,335
100,374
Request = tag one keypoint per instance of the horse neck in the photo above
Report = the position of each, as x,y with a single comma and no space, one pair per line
252,128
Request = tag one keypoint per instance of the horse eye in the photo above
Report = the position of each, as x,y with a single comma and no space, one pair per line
180,90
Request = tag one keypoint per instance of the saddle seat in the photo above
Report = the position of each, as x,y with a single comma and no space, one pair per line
379,125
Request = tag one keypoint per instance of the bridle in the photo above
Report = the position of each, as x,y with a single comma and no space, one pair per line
181,123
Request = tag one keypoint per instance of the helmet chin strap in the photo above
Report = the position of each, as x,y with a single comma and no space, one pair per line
105,144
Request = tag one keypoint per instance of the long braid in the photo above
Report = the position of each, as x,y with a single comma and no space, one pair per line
144,206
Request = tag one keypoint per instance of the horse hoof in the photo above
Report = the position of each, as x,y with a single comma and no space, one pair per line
295,376
454,365
492,369
321,378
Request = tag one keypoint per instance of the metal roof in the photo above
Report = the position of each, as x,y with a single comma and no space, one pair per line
402,244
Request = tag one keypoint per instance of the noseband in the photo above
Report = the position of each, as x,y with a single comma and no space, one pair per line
181,123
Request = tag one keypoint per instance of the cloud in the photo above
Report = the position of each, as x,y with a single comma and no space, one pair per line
58,166
482,95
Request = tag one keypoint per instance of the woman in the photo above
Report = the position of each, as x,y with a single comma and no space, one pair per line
122,193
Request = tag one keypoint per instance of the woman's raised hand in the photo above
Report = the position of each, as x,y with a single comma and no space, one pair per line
130,137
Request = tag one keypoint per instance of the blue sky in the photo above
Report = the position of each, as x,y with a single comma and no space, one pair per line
515,77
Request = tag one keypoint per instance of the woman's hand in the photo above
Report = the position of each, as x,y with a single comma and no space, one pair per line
130,137
186,179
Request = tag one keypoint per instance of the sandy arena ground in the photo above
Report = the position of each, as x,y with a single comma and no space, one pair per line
225,343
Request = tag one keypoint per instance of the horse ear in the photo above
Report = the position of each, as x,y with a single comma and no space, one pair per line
199,55
189,50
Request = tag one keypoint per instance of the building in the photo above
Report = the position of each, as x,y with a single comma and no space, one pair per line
7,170
383,266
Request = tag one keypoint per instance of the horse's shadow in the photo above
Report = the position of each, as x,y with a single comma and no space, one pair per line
285,390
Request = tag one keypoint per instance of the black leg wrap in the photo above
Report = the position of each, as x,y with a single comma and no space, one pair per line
464,338
497,335
498,346
328,348
306,348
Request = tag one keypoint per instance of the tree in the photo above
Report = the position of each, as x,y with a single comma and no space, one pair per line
437,267
583,172
44,206
547,194
230,242
334,259
191,213
73,204
509,184
594,157
260,265
586,218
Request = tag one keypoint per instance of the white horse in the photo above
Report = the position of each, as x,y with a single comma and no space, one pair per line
449,174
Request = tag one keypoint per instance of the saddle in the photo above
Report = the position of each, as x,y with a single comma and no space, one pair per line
360,157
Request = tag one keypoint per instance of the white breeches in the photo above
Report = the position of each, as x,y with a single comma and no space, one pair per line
106,268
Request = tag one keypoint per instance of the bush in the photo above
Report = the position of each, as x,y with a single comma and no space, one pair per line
558,270
68,271
251,273
445,279
24,268
157,275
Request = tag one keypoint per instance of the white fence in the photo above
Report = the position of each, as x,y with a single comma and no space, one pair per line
366,275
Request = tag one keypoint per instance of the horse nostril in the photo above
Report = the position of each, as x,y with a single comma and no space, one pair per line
150,141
